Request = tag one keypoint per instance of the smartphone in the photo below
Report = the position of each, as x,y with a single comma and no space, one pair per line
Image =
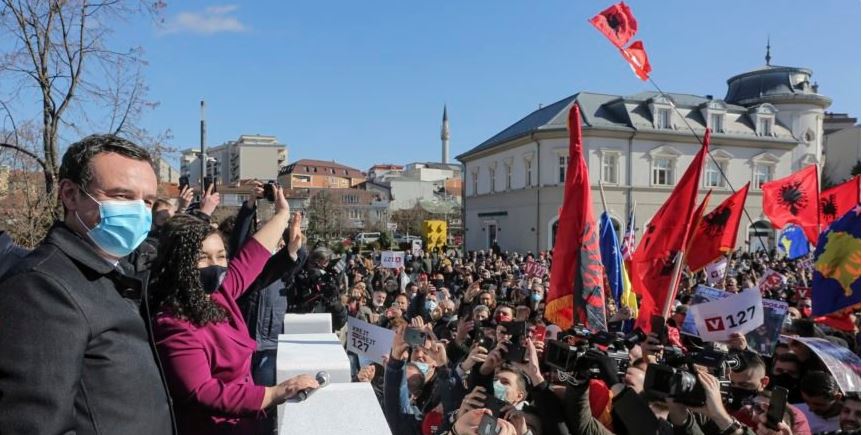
488,425
270,191
208,181
415,337
184,182
776,410
657,325
494,405
516,351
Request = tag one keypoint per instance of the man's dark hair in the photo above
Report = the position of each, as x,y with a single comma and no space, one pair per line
819,384
76,162
853,396
788,358
751,360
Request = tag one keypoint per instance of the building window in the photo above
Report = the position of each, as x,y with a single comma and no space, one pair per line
664,118
712,174
763,174
609,168
663,174
491,177
764,127
528,167
475,183
716,122
355,213
508,177
563,163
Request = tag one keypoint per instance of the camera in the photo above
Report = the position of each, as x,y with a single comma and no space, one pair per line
680,385
315,284
568,359
674,377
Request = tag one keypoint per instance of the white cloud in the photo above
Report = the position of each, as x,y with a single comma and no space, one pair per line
222,9
212,20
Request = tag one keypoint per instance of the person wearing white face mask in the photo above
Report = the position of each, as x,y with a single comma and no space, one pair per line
76,354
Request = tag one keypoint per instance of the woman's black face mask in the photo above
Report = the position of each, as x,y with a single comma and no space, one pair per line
211,277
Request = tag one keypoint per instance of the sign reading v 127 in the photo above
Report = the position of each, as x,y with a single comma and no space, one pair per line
740,313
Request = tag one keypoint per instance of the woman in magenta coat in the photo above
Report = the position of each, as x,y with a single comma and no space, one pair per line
202,339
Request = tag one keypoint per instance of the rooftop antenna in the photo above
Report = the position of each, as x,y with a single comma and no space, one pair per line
767,56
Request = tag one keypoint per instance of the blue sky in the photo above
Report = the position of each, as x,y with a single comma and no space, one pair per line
364,82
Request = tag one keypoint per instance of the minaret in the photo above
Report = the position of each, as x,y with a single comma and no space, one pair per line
444,137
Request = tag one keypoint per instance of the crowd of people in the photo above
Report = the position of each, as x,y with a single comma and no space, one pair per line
138,315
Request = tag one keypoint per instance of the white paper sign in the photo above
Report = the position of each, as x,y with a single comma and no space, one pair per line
370,341
392,259
770,280
716,271
740,313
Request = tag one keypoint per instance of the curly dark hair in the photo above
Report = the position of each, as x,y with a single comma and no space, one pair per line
176,280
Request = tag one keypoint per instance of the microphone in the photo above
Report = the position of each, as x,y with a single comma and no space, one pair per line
323,379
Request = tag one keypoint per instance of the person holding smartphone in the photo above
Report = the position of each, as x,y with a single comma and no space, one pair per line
199,330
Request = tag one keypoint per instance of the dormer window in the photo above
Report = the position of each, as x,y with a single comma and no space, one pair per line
714,112
663,118
716,122
763,117
660,107
765,127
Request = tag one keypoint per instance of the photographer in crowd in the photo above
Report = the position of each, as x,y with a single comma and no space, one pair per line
603,387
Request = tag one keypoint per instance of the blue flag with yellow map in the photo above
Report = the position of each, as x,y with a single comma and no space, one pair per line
792,241
836,281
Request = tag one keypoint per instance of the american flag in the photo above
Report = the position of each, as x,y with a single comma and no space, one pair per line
627,246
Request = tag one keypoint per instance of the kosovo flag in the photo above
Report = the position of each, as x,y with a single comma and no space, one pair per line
793,242
836,282
612,260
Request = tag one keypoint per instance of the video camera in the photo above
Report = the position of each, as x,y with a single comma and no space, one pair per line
675,375
567,358
314,283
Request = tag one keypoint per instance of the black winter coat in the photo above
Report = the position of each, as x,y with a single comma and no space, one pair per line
76,355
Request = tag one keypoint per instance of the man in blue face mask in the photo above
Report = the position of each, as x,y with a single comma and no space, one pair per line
77,356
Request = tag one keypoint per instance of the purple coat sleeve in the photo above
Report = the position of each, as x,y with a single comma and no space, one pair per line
244,268
187,368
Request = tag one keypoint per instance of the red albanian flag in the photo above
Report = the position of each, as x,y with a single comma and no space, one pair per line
636,57
577,281
716,234
663,239
838,200
616,23
794,200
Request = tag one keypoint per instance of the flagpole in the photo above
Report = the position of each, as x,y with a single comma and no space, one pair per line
602,196
725,272
672,286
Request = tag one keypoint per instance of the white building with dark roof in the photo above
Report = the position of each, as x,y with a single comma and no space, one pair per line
768,125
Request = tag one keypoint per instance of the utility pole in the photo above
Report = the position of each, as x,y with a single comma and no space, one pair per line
203,144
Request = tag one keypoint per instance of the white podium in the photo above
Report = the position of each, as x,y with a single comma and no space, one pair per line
339,408
336,409
310,353
312,323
